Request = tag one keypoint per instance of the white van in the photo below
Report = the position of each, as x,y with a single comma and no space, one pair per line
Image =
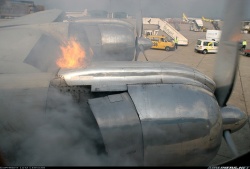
213,35
206,46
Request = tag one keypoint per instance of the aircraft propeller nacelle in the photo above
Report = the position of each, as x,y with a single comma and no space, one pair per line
145,114
146,43
110,40
154,113
233,118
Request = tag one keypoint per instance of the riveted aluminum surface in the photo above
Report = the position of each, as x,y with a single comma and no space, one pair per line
120,128
179,123
109,75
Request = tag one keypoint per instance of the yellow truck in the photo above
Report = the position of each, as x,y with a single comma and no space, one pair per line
161,42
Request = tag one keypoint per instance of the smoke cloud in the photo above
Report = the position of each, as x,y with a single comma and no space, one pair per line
63,136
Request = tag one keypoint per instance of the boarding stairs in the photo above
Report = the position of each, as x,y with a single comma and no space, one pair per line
197,25
167,28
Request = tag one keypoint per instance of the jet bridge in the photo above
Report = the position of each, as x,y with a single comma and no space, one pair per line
167,28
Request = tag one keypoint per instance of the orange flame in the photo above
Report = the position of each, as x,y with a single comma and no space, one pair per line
73,55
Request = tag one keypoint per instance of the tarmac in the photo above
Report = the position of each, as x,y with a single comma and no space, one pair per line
240,96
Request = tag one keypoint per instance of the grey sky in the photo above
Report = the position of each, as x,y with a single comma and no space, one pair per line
155,8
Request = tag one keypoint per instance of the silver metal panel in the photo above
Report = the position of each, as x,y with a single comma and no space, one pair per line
108,87
106,21
120,128
179,123
116,37
124,73
44,61
94,35
233,118
115,98
118,42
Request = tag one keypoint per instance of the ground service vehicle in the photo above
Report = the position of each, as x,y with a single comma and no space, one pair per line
206,46
246,52
161,42
213,35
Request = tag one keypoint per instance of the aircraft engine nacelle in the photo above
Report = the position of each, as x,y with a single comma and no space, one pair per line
160,113
110,39
167,124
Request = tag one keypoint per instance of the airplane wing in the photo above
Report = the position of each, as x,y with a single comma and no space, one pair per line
46,16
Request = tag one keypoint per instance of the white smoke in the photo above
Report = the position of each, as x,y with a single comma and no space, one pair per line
63,136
